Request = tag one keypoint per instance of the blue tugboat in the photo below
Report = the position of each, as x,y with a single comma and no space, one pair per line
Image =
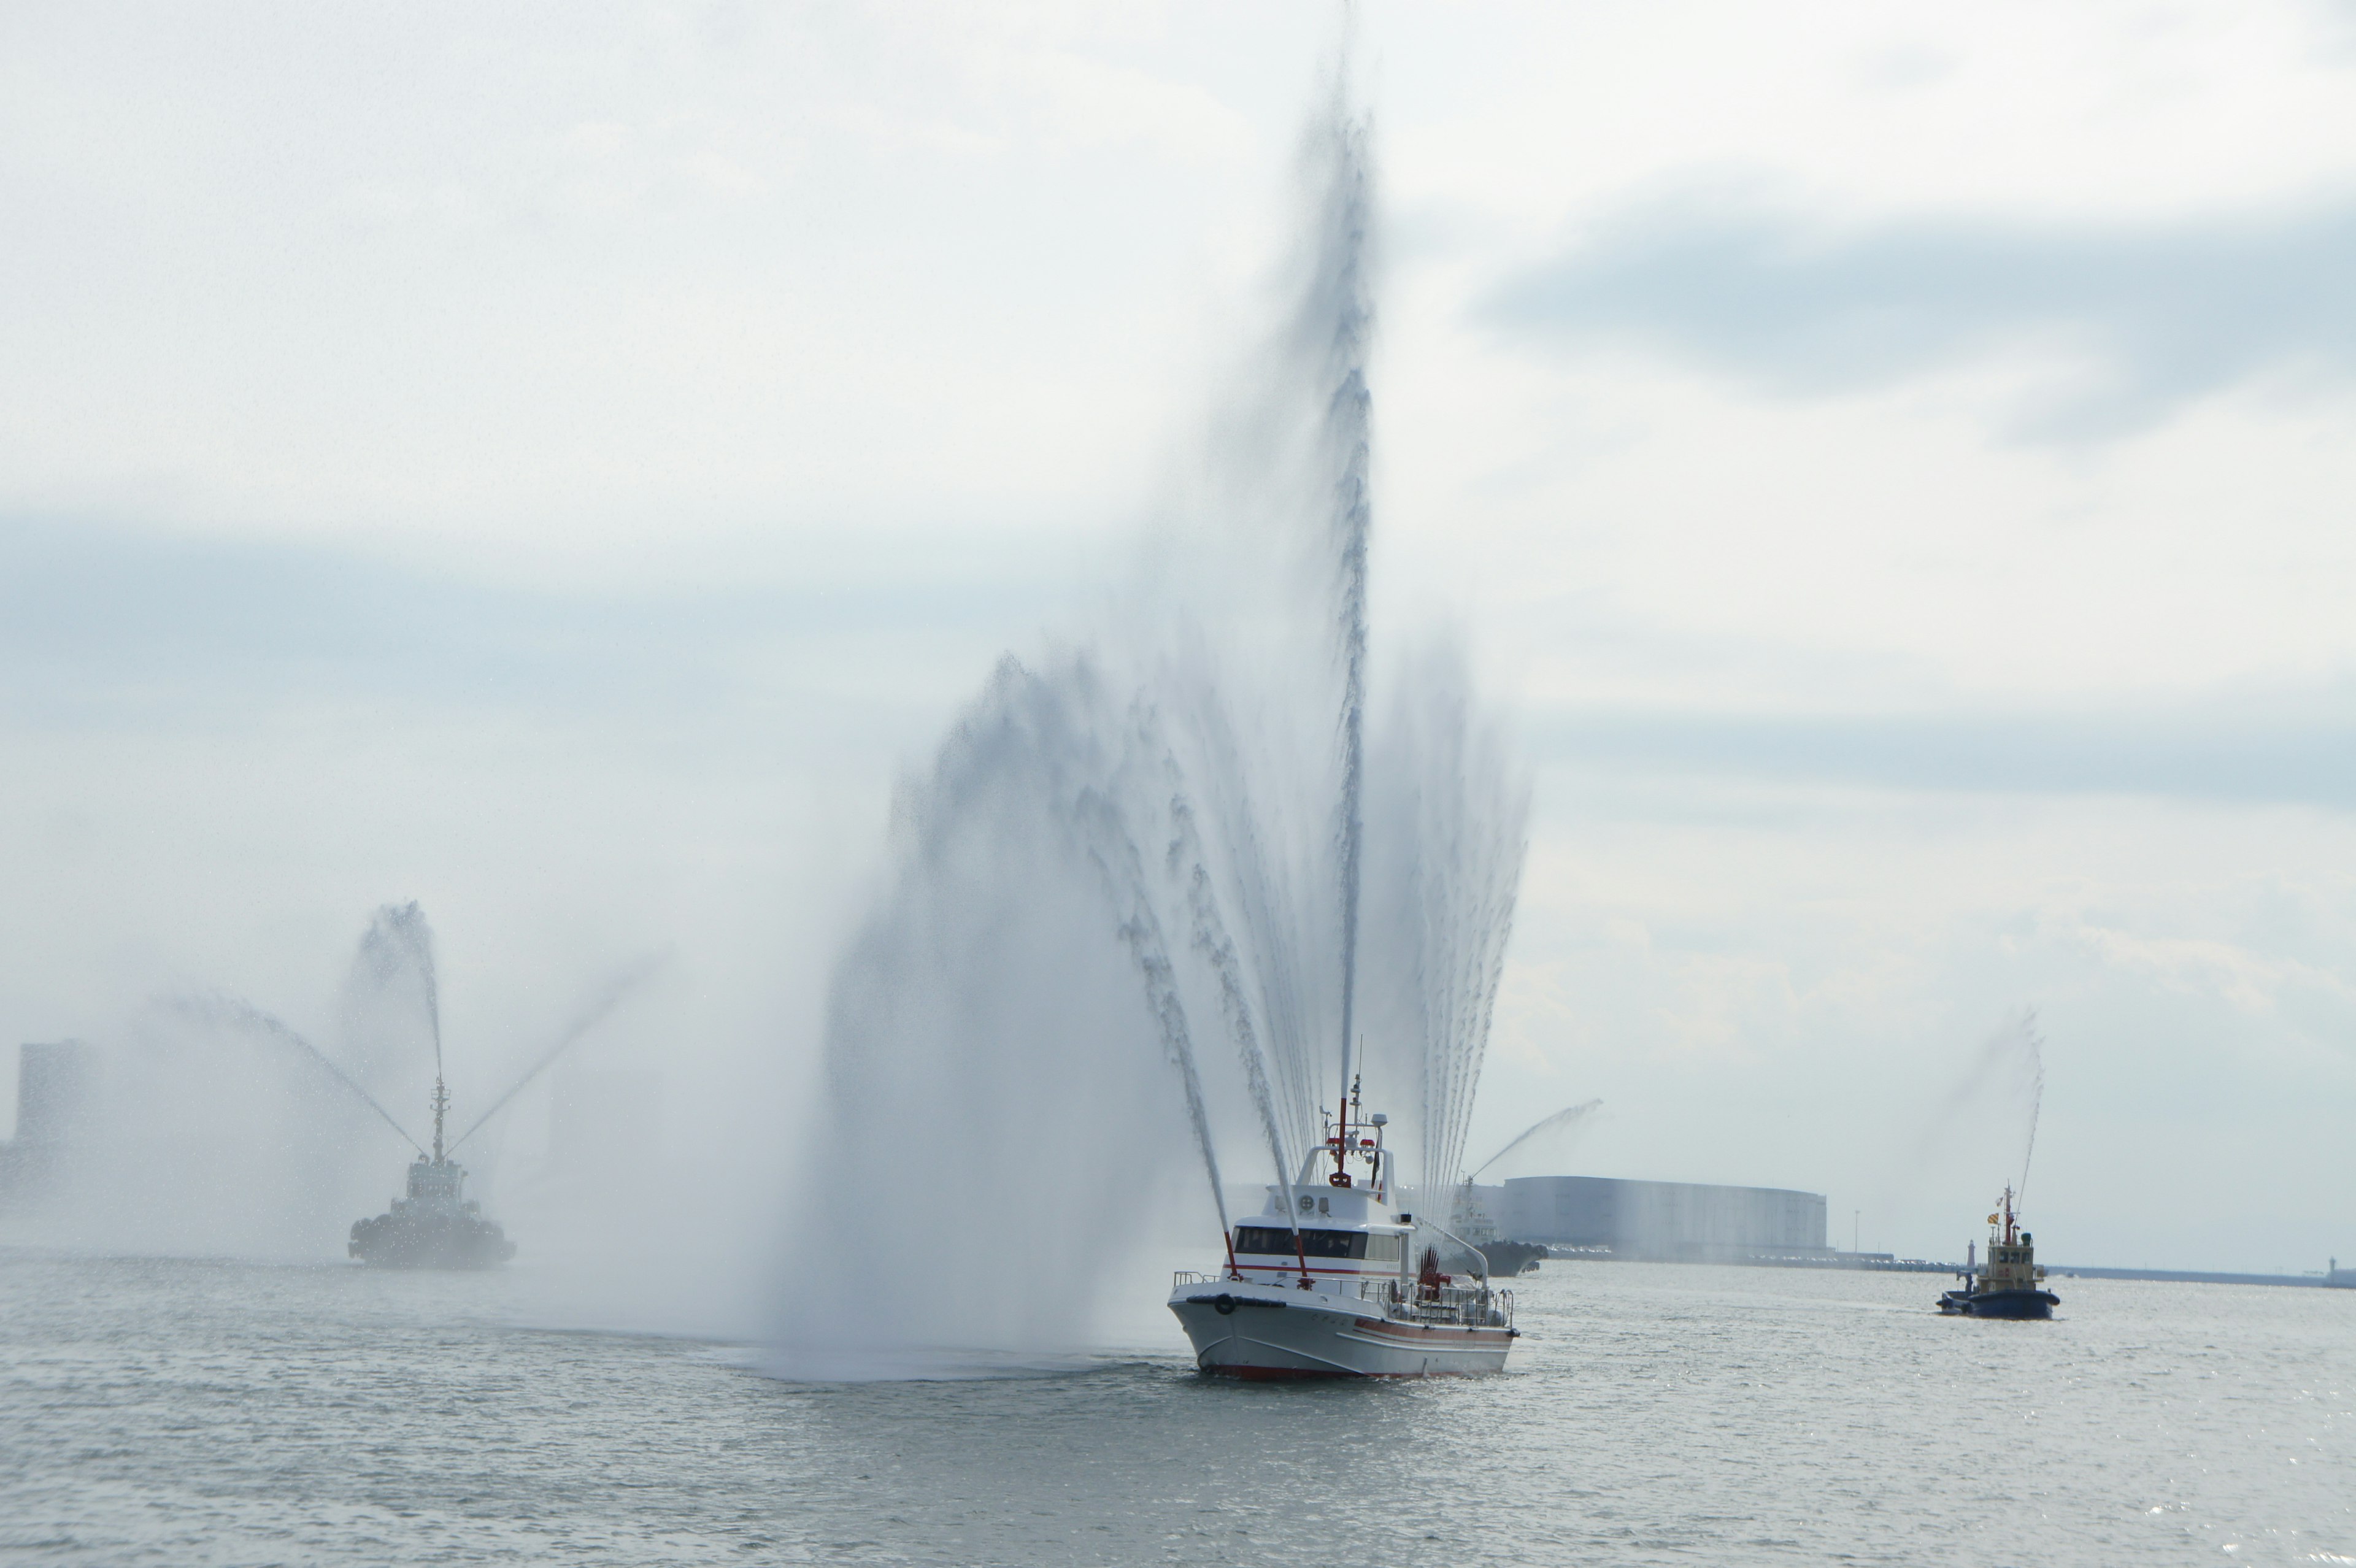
2009,1285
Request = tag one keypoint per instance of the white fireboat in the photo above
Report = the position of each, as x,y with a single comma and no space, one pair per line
1327,1282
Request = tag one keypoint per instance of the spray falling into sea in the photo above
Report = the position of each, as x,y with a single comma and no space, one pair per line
1186,828
222,1011
1543,1133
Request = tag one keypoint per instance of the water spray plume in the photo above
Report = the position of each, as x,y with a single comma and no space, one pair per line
593,1013
1343,299
1112,850
2033,1046
395,964
229,1012
1194,824
1450,820
1211,941
1561,1121
2005,1080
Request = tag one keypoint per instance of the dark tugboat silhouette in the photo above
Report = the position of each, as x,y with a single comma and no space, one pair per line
437,1225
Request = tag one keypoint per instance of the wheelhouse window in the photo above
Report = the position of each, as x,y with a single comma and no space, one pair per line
1265,1240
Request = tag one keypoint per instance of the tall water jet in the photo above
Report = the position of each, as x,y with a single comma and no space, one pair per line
1341,301
391,1022
1112,850
1213,944
2028,1047
1180,829
2002,1089
1450,809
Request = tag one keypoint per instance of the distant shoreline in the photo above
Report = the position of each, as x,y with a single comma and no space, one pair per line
1884,1263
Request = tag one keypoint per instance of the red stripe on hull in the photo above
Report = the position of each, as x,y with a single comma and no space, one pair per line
1389,1333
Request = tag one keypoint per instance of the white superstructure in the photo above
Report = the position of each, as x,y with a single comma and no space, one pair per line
1328,1281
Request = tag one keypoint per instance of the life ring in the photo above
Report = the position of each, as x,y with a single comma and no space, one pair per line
1223,1305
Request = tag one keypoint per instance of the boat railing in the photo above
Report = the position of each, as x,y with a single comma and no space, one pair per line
1462,1305
1471,1306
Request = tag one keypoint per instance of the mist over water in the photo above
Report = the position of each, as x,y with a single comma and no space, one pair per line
1168,884
1158,882
215,1126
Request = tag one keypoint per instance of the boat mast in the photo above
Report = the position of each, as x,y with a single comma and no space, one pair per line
441,1105
1342,1143
1341,1140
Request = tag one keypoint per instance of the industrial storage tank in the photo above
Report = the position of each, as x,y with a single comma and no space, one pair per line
1687,1221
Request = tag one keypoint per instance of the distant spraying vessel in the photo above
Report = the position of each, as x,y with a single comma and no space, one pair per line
436,1226
1505,1259
1326,1282
2009,1285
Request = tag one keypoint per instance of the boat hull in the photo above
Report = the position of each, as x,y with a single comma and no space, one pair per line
437,1242
1508,1259
1255,1331
2000,1302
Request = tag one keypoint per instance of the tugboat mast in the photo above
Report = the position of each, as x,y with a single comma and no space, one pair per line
441,1105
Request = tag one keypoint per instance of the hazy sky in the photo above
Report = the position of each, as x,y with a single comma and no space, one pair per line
561,463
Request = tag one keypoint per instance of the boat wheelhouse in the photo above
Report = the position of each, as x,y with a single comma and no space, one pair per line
1328,1281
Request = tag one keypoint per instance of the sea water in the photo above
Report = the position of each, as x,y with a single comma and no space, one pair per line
180,1412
